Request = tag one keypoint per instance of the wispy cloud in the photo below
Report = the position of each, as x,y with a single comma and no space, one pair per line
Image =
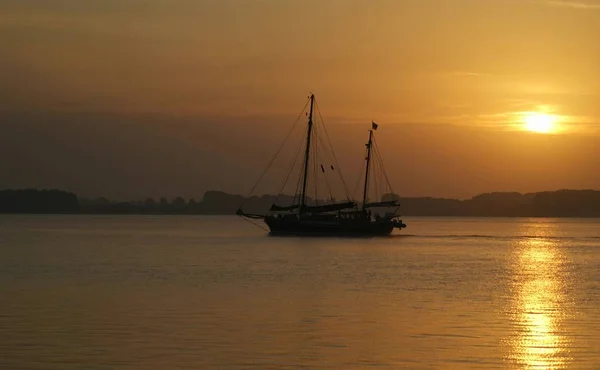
589,5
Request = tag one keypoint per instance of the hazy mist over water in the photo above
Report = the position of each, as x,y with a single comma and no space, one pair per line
184,292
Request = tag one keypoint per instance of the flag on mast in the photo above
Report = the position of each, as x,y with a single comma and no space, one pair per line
374,125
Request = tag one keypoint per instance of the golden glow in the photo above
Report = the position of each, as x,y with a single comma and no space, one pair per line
540,122
539,343
537,309
196,71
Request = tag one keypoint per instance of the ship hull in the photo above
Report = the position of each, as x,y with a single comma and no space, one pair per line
298,227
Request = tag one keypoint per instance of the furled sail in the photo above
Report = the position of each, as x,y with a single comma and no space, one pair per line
389,203
276,208
327,207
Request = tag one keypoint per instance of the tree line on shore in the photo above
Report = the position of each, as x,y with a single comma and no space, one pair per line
560,203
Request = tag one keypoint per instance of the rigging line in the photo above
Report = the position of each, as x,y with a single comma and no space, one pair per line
380,159
333,153
324,148
297,191
377,175
300,146
257,225
382,185
384,182
373,183
276,154
360,175
328,187
334,157
380,179
315,173
297,195
383,167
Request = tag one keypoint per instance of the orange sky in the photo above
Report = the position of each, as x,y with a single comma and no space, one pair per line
465,64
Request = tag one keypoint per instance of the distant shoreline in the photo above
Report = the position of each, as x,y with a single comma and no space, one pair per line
560,203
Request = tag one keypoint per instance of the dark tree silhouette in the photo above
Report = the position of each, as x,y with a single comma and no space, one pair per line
38,201
561,203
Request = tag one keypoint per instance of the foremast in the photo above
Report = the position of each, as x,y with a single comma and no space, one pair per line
376,203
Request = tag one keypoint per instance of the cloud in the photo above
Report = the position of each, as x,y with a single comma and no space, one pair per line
595,5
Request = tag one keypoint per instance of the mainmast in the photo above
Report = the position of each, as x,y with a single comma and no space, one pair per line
306,154
364,202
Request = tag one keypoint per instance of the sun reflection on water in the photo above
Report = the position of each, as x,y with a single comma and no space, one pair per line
538,303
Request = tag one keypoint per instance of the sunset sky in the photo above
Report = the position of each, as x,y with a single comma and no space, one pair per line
129,99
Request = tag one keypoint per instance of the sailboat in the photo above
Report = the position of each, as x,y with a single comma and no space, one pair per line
305,217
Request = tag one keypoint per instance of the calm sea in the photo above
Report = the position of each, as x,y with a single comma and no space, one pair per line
179,292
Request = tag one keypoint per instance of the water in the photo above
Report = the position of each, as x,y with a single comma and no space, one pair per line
154,292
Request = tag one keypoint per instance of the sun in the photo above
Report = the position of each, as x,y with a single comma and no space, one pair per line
540,122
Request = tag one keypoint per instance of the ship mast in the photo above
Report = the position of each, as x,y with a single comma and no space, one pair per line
364,202
306,154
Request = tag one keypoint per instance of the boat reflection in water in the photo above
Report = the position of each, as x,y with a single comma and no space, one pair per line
539,300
